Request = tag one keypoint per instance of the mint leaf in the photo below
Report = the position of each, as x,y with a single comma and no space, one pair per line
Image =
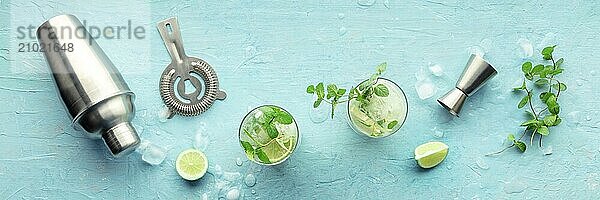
554,109
381,68
341,92
381,90
532,122
392,124
317,103
544,96
331,91
331,88
559,62
247,147
541,82
511,137
523,101
526,67
320,90
271,131
262,156
284,118
537,69
547,52
310,89
550,120
330,95
559,86
543,130
522,147
557,121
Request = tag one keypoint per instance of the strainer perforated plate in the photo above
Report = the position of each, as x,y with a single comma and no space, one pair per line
183,69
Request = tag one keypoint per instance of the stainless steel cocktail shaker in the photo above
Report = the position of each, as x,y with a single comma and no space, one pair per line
475,75
92,90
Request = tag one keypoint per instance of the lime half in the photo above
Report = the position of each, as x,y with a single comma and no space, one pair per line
191,164
430,154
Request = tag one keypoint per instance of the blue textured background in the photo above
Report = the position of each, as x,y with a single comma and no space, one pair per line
266,53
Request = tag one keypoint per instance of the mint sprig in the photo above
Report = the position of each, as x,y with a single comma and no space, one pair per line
543,77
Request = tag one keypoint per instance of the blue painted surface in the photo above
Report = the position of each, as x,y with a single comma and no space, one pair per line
266,53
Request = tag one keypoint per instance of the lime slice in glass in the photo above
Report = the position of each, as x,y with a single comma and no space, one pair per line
276,151
191,164
430,154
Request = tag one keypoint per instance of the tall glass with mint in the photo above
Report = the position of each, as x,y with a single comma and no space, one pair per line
377,107
269,135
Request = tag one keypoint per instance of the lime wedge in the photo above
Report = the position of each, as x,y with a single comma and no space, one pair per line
276,151
430,154
191,164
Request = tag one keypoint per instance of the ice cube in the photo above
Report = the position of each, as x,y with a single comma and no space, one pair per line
436,70
142,147
258,114
477,50
438,134
425,89
201,140
151,153
526,48
164,114
486,45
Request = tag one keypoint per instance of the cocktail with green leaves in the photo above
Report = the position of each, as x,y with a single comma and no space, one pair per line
379,115
268,134
377,107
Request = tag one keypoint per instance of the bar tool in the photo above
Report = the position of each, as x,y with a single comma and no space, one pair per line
475,75
186,69
90,87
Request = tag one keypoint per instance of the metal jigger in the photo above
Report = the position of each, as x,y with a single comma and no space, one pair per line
90,86
476,74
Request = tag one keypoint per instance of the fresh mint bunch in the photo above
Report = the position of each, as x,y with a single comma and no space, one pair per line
543,78
334,95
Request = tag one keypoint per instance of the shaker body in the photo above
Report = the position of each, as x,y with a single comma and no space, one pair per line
91,88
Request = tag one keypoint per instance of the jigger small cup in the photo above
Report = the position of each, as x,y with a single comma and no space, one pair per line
475,75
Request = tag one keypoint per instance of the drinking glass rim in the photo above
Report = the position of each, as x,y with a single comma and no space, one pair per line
293,120
405,99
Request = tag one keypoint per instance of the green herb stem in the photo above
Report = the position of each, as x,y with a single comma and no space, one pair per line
499,152
548,116
529,94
